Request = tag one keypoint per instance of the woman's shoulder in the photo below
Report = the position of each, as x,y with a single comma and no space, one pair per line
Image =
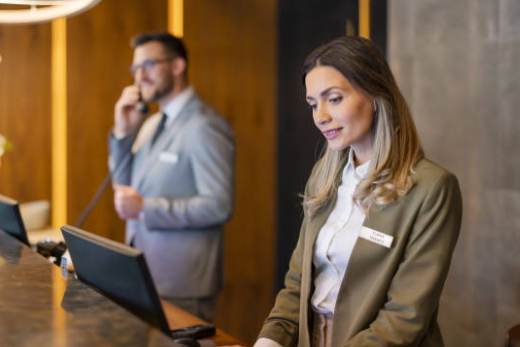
425,169
428,173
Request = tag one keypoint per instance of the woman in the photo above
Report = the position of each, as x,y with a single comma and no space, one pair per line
380,220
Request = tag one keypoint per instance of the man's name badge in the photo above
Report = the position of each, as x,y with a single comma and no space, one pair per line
168,157
376,237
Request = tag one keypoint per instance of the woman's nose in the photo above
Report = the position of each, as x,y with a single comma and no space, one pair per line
322,117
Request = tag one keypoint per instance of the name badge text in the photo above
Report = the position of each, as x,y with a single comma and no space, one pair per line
376,237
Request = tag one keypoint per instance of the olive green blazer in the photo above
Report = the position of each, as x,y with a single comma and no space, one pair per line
388,296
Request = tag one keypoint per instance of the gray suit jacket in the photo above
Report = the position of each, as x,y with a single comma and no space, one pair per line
388,296
187,180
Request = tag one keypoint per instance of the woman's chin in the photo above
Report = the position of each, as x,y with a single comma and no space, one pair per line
336,146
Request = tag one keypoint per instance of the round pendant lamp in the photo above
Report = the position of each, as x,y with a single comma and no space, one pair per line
40,11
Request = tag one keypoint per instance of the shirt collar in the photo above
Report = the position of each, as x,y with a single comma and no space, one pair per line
174,107
360,171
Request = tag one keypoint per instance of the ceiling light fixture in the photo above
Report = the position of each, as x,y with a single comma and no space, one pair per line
40,11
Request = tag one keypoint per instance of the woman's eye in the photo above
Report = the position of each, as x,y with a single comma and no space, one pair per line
335,100
313,106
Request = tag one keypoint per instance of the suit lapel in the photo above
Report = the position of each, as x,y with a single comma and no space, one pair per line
151,153
312,230
365,256
317,223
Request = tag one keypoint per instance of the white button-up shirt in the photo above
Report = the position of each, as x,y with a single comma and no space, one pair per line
174,107
334,244
336,240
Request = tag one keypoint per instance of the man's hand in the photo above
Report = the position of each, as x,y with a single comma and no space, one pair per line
127,201
126,115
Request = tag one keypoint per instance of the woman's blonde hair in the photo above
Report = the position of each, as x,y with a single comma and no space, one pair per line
395,142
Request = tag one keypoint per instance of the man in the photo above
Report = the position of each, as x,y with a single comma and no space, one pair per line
174,185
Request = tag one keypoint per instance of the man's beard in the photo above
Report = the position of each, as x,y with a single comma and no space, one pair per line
162,90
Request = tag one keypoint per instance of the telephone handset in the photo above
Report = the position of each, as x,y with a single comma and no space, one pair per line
141,106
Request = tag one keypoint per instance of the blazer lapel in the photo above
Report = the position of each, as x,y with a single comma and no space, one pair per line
317,223
151,153
366,255
312,230
141,161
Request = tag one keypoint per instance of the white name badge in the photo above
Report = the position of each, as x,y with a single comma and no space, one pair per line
168,157
376,237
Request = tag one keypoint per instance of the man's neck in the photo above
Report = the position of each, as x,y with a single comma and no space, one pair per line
177,89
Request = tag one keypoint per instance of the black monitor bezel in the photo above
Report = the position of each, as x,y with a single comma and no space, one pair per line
134,255
13,207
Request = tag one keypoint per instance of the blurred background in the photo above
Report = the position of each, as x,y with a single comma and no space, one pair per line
455,61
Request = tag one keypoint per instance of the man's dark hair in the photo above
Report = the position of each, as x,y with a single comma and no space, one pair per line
173,45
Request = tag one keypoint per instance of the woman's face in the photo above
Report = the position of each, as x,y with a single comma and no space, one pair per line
341,112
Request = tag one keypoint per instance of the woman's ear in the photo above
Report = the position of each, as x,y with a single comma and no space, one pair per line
178,66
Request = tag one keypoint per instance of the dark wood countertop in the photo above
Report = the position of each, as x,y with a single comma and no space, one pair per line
38,307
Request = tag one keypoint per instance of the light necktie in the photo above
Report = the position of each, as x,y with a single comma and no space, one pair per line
160,128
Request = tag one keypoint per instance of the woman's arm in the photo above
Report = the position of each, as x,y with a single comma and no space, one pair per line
413,295
283,321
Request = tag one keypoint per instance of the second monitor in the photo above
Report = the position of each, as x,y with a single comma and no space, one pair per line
11,219
120,272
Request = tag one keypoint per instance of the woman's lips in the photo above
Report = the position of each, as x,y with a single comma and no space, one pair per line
331,133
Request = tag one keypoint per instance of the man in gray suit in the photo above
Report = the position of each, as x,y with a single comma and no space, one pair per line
174,184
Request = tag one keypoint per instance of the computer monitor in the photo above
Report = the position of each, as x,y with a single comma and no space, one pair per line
118,271
11,219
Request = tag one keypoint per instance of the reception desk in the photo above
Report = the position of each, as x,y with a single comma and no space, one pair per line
38,307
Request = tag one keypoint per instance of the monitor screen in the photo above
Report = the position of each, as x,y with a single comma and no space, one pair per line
118,271
11,219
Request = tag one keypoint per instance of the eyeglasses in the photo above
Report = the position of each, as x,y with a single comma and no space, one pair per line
147,64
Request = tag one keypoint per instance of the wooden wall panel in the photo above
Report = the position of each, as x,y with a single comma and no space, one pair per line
25,111
457,64
232,51
232,46
98,58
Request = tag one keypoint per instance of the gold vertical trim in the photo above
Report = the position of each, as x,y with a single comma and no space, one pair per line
59,122
349,28
364,18
176,17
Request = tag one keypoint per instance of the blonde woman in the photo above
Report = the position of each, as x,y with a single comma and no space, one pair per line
380,220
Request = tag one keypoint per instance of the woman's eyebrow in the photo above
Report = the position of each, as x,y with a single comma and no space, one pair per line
323,93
